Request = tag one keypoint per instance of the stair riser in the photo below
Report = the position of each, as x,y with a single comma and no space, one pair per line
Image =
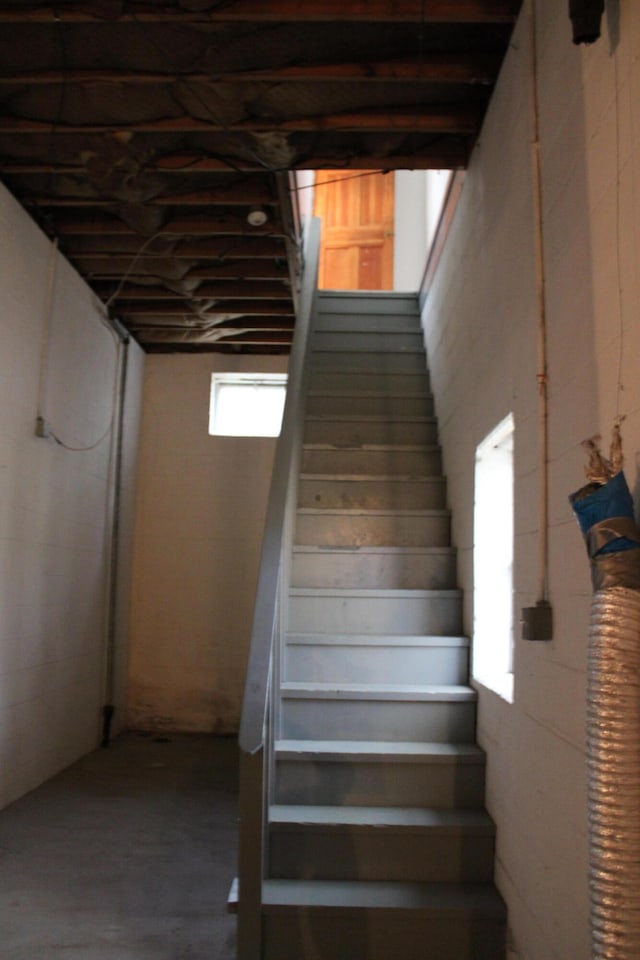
369,360
366,341
374,531
420,463
367,783
380,381
323,404
439,616
354,433
372,494
357,568
361,664
401,316
432,721
310,934
378,854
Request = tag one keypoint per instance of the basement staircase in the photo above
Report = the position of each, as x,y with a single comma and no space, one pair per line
377,844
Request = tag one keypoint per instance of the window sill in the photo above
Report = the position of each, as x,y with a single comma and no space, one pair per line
500,683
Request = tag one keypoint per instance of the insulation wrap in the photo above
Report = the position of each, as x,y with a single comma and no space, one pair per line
613,759
605,513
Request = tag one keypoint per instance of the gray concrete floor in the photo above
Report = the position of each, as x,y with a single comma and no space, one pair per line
127,855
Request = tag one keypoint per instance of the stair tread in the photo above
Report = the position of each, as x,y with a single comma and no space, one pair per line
368,418
373,447
377,511
373,592
388,351
375,640
365,548
407,751
372,477
316,392
448,899
434,819
377,691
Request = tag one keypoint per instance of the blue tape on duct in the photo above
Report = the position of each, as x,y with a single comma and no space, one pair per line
612,499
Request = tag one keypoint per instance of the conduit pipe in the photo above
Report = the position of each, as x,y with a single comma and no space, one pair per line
604,509
43,377
114,560
542,621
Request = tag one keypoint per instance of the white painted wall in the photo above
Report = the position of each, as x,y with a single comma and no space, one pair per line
55,508
410,245
419,195
200,516
480,321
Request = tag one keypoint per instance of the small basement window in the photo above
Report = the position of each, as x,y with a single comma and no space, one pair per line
246,404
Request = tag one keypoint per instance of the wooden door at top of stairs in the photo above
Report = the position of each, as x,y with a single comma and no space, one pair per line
357,210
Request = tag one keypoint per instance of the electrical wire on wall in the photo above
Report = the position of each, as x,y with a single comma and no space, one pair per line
44,425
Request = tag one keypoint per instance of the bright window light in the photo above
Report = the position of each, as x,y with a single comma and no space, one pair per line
246,404
493,561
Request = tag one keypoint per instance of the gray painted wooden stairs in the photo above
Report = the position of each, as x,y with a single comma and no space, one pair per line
379,846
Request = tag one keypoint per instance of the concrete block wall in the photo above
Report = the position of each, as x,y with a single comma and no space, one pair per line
200,517
480,327
55,507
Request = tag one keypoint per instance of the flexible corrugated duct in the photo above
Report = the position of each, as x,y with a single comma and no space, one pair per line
605,512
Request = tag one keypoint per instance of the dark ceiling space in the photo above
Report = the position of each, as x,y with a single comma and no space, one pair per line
141,134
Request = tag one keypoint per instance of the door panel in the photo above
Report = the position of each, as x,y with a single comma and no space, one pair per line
357,229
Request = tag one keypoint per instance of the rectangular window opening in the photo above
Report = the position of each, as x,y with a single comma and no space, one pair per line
246,404
493,561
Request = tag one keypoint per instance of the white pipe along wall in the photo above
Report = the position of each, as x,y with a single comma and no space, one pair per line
480,320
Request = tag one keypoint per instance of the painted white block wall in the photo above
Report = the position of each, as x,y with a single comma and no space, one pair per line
410,245
200,517
55,509
480,323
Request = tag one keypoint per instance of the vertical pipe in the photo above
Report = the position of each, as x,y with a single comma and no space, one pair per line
46,332
112,611
543,412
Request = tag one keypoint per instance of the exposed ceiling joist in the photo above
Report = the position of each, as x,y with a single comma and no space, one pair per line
433,68
115,267
239,290
448,118
378,11
140,133
99,224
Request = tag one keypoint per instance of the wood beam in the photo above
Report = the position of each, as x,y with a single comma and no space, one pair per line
438,155
223,248
432,68
218,291
114,268
228,328
250,191
220,346
240,336
340,11
228,309
178,163
213,225
450,118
